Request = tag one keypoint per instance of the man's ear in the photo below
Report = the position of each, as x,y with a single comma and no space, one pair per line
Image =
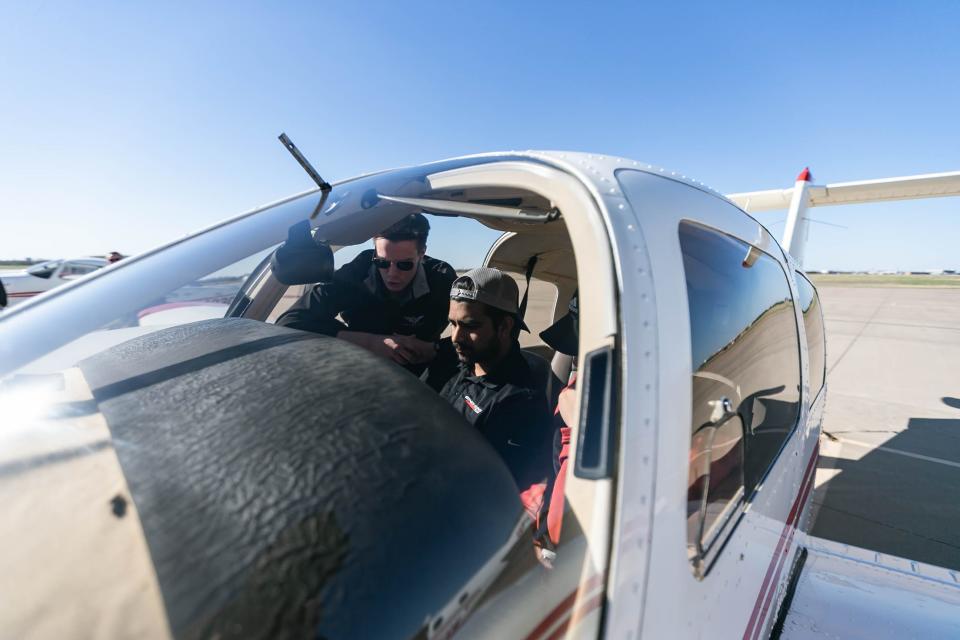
506,327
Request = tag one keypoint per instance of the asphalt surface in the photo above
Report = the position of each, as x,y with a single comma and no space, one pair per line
889,470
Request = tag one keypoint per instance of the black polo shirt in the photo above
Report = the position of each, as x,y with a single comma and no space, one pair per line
507,409
358,295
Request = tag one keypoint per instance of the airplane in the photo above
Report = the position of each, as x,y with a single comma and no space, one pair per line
804,194
229,477
26,283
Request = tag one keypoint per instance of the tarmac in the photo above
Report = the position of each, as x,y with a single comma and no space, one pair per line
889,469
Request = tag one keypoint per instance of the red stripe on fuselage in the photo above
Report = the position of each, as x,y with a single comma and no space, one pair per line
768,600
765,596
588,606
563,608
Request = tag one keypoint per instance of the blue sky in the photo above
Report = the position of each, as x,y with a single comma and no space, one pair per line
124,125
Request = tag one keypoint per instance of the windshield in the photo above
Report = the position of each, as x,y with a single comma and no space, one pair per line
171,415
44,269
206,270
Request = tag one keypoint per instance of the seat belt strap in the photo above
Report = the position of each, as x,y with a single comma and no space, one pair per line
531,263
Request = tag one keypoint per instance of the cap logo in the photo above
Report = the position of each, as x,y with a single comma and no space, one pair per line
459,292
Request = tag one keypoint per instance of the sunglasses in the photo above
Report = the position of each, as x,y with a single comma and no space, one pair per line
403,265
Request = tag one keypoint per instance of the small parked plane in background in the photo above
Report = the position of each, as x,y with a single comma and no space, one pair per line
24,284
235,478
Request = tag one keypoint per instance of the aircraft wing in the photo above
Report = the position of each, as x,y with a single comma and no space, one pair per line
931,185
847,592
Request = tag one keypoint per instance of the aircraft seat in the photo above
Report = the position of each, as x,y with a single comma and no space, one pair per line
547,381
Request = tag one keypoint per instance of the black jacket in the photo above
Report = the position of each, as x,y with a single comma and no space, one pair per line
507,409
358,295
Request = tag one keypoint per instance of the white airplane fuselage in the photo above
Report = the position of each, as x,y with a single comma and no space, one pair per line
701,398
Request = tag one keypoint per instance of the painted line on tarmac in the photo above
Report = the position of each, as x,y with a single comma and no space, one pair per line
909,325
859,334
918,456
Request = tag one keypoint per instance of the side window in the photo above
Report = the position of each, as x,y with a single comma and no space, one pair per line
813,323
72,270
746,374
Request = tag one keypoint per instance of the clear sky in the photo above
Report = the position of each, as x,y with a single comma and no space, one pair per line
124,125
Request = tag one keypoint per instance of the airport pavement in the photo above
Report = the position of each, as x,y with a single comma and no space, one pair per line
889,471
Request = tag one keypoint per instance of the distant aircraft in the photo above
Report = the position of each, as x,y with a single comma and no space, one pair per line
233,478
34,280
804,195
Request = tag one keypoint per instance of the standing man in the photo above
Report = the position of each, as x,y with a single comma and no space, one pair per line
494,389
391,300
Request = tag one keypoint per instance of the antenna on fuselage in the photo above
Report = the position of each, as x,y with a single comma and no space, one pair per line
299,157
325,186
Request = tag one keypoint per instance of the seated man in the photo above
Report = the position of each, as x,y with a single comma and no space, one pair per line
563,336
392,299
493,388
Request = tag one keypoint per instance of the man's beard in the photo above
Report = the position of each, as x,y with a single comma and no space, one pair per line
472,356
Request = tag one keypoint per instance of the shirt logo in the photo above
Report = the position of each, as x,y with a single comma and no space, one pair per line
414,320
473,405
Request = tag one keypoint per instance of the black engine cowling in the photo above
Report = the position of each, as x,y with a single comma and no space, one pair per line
293,485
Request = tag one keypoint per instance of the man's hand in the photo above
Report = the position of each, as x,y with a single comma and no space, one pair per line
416,351
400,349
383,346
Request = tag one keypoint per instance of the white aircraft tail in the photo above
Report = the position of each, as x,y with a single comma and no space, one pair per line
804,194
